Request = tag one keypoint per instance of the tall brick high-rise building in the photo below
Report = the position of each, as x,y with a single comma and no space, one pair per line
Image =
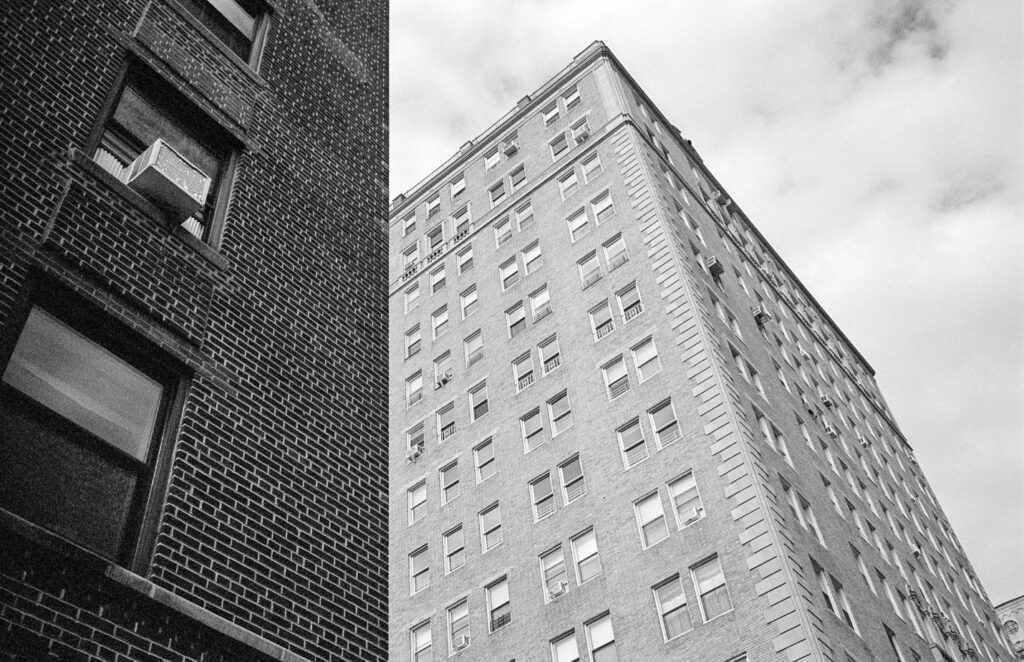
621,428
192,330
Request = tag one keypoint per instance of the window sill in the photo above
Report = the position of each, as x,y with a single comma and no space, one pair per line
150,210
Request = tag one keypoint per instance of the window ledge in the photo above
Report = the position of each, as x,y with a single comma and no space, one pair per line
151,211
84,559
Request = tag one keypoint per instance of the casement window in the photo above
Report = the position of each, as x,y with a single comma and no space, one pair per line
490,527
664,423
524,216
553,573
492,158
468,301
496,193
148,109
517,178
457,187
645,358
442,370
615,252
474,348
672,611
515,319
550,354
439,320
542,496
450,487
446,421
509,273
558,146
590,270
540,304
686,502
568,184
585,556
602,207
478,402
419,639
601,320
533,430
502,231
629,302
632,443
560,413
601,640
591,167
437,279
571,98
573,483
419,570
522,371
616,379
564,648
412,341
409,224
417,501
580,131
651,519
550,114
709,581
483,457
458,627
579,224
412,296
454,543
414,388
240,25
499,611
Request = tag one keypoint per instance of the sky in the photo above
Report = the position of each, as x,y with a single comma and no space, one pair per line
876,144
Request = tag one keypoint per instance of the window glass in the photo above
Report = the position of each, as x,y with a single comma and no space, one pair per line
632,443
651,519
584,552
710,584
675,618
552,567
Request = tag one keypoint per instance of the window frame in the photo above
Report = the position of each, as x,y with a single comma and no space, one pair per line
257,43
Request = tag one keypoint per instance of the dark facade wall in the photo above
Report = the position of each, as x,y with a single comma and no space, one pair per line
274,513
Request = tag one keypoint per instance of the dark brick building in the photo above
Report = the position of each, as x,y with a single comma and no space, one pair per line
193,402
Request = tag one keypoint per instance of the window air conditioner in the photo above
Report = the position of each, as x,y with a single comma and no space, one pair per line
761,315
415,452
510,146
831,430
715,267
582,136
804,353
691,516
826,400
462,641
559,589
166,178
863,441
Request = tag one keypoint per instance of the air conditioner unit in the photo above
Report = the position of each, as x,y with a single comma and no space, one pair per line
863,441
559,589
917,552
761,315
714,266
831,430
826,400
691,516
167,179
462,641
582,136
804,353
510,147
414,452
442,381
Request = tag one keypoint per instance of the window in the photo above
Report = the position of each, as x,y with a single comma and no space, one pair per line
602,207
420,642
409,224
468,301
515,318
585,556
238,24
497,193
499,612
417,501
457,187
580,131
517,178
478,404
550,114
460,220
483,456
558,146
454,543
465,259
629,302
564,649
491,158
560,413
540,304
502,231
439,320
533,430
568,184
711,590
450,482
433,205
412,295
419,570
664,423
522,371
414,388
573,484
685,500
645,358
474,346
509,272
651,519
632,443
616,379
550,357
552,568
149,109
601,640
442,370
615,253
591,167
601,320
579,224
524,216
446,421
542,496
490,527
458,626
412,341
672,611
437,279
572,98
863,569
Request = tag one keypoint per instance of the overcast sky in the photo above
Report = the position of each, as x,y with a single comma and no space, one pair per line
877,145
